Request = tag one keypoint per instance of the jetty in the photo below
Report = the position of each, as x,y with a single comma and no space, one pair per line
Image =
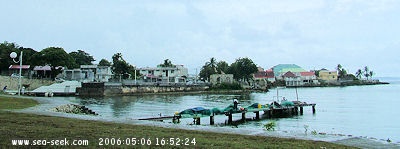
274,109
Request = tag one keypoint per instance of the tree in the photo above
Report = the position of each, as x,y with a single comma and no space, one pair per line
212,63
341,71
104,62
243,68
81,58
371,73
167,63
208,69
366,72
5,49
121,67
359,73
222,66
54,57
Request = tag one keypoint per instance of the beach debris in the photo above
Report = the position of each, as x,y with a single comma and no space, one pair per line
270,126
314,132
73,108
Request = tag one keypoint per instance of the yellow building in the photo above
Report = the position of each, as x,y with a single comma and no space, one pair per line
327,75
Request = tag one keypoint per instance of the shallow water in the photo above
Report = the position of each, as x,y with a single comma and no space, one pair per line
368,112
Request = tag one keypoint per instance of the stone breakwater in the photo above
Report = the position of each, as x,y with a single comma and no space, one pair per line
73,108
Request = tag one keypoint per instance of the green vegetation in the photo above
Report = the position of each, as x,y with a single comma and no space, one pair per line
366,73
52,56
270,126
31,126
16,103
121,67
242,69
167,63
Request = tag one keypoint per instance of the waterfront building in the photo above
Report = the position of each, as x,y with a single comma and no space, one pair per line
103,74
328,76
260,78
88,73
78,75
291,79
221,78
175,74
308,78
270,75
42,71
14,70
281,69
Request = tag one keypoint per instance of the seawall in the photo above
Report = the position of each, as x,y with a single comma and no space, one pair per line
113,89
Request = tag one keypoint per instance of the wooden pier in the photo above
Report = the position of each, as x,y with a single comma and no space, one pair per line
274,111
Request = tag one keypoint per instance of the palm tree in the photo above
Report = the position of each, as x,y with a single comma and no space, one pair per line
371,73
366,72
167,63
212,63
359,73
341,71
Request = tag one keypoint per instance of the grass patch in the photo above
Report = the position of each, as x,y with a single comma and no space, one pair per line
31,126
16,103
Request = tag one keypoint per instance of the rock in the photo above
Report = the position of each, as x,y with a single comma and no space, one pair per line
72,108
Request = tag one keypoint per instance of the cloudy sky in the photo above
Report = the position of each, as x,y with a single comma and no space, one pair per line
311,33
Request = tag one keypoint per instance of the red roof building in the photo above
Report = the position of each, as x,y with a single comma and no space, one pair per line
289,75
14,67
307,73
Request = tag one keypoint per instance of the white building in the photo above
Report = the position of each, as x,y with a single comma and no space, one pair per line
176,74
300,79
103,73
89,73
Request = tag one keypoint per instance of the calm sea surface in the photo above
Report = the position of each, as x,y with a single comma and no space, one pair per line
371,112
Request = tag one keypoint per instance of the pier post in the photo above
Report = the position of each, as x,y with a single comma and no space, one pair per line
301,110
197,120
176,119
271,112
313,109
229,118
257,115
244,116
212,119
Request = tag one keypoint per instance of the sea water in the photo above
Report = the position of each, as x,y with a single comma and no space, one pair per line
354,111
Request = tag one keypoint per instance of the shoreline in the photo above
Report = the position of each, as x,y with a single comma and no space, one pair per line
44,103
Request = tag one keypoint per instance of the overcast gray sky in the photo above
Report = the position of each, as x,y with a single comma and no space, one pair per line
311,33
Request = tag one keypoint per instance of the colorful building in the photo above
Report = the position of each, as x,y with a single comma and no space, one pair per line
328,76
281,69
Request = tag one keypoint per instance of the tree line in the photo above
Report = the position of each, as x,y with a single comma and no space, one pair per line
360,73
242,69
54,57
51,56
